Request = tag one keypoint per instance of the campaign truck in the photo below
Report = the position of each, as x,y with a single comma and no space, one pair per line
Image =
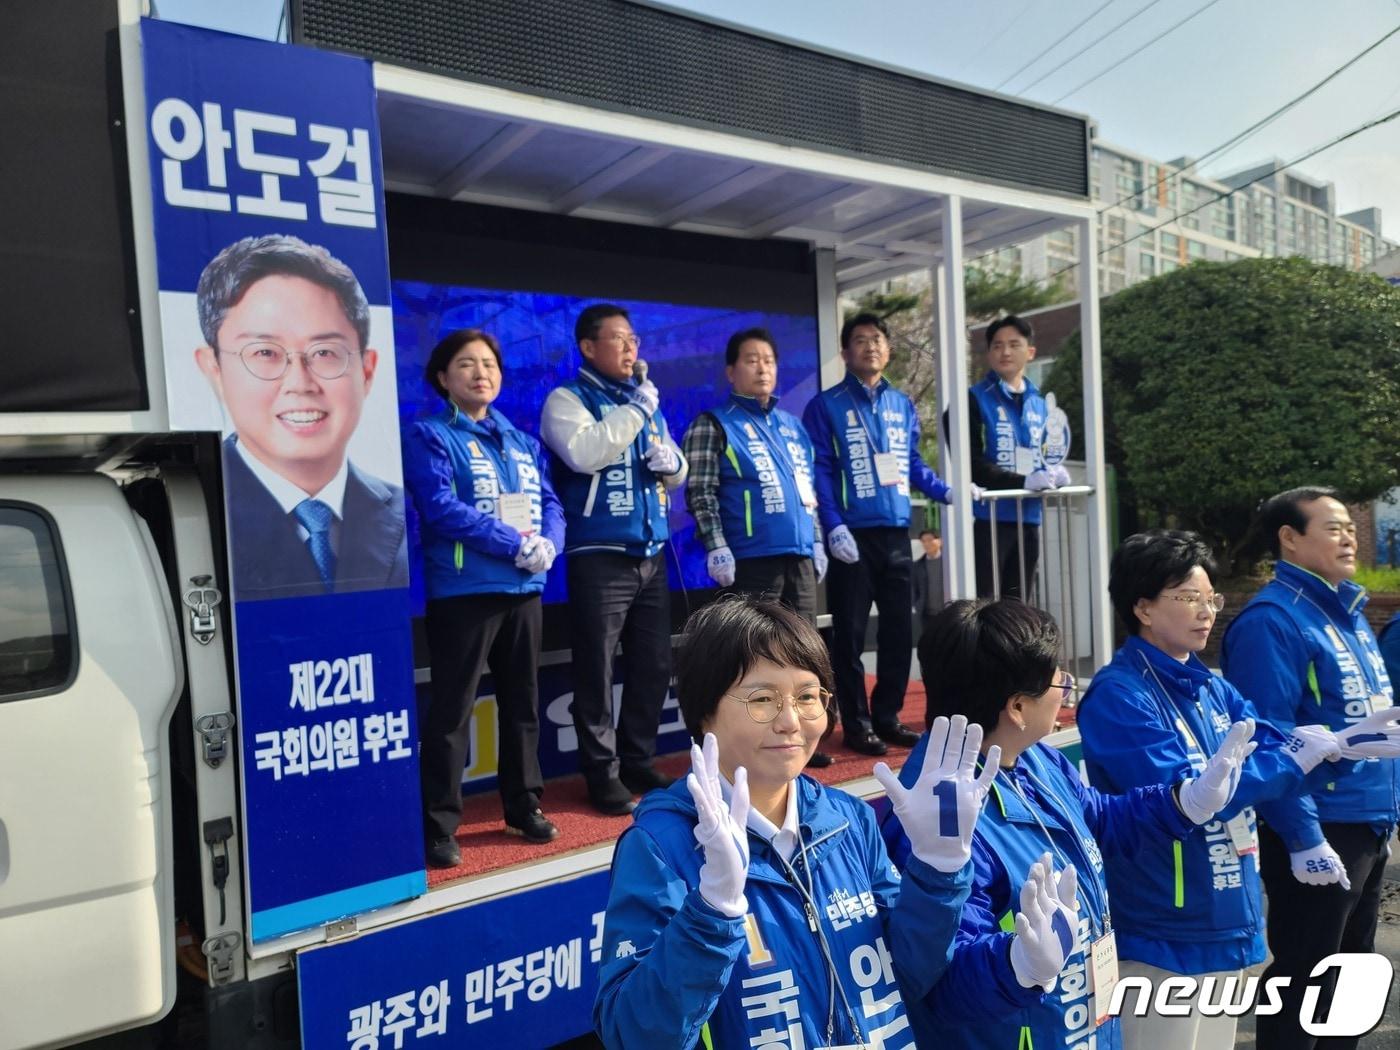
210,824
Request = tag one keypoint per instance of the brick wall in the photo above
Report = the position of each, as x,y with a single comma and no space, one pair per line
1364,514
1379,611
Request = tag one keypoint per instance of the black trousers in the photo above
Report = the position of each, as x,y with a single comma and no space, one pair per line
612,598
787,578
466,635
883,575
1008,558
1308,923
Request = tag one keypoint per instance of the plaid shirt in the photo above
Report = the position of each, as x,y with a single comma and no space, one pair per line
703,449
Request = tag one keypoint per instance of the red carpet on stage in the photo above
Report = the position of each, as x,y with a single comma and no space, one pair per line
486,847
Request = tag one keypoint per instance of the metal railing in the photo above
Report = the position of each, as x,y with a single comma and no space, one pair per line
1056,583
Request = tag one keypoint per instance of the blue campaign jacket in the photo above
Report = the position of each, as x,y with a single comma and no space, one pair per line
976,1001
1390,648
843,423
1005,428
1192,904
455,468
674,968
623,507
1303,653
760,503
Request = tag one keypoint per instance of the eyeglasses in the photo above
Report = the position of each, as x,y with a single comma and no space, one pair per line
764,705
269,362
1195,600
631,339
1068,686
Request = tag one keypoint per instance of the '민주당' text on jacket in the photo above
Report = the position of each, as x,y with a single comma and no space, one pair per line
676,971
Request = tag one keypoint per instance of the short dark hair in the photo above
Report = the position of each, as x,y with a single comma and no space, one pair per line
1287,509
977,654
738,339
1012,321
244,263
852,323
592,318
1147,563
447,348
931,532
724,640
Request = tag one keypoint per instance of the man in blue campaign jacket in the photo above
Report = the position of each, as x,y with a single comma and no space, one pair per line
775,973
1007,417
866,437
1302,651
750,485
615,464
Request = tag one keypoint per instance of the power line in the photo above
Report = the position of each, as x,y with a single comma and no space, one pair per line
1137,51
1247,132
1076,27
1393,114
1093,43
1014,19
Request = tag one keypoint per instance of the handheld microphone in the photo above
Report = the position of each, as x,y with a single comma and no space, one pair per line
639,370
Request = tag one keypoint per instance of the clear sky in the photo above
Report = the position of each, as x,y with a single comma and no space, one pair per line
1209,79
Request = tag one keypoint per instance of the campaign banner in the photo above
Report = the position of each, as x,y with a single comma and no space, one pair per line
277,333
517,971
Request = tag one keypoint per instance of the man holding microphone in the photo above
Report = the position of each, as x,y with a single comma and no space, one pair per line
615,466
751,488
866,437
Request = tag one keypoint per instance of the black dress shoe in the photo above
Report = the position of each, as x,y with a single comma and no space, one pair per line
641,779
443,853
532,827
819,760
865,742
897,734
610,797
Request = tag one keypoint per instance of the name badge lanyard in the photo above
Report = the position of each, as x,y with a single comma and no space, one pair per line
1083,863
1372,680
1163,700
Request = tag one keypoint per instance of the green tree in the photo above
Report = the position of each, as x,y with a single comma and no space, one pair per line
1224,383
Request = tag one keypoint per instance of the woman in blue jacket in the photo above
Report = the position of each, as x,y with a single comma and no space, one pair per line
778,929
490,525
1191,904
996,662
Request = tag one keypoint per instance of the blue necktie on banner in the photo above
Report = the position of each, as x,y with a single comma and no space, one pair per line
316,518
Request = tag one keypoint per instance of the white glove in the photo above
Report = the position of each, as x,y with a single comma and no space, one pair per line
977,491
949,498
662,458
1310,746
719,563
1059,474
940,811
842,545
1046,925
721,830
1375,736
1039,481
1202,797
536,554
819,559
1319,866
646,397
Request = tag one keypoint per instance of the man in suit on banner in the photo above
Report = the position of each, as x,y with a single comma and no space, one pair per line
286,327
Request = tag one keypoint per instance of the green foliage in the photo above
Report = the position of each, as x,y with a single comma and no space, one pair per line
991,293
1378,580
1224,383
